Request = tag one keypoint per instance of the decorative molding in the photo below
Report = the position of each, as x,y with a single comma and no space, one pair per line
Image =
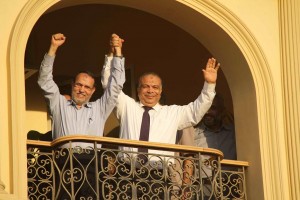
289,18
27,18
273,162
273,169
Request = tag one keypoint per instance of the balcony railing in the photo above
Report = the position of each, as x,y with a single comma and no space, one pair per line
86,167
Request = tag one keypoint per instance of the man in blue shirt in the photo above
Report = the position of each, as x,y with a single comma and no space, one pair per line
77,115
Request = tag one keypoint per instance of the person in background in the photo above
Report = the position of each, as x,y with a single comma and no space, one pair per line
215,130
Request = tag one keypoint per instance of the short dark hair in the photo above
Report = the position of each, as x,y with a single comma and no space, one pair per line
149,73
89,73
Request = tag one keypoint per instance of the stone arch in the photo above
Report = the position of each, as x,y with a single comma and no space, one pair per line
251,85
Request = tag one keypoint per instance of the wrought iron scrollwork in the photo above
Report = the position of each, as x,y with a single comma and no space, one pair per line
101,173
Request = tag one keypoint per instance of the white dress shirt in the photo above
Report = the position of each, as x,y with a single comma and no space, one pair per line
164,120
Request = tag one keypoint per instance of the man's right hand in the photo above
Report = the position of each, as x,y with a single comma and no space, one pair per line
56,40
115,45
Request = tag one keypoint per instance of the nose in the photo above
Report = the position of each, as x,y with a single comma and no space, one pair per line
150,90
81,89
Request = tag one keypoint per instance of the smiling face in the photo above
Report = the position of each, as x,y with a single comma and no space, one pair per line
82,89
149,90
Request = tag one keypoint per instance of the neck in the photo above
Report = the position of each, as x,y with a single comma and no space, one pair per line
78,106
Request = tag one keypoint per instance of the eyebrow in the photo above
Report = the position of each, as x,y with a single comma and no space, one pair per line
86,86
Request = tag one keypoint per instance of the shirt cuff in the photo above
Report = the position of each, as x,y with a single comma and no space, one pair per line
209,87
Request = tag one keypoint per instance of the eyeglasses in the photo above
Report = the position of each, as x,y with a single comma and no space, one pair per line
86,87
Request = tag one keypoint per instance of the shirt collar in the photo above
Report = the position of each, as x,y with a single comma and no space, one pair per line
71,102
156,107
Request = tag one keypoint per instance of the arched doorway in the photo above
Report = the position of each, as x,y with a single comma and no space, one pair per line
244,68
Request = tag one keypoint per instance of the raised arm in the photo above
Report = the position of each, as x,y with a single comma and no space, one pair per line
114,77
192,113
45,79
115,50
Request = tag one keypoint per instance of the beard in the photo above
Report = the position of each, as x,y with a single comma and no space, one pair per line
80,101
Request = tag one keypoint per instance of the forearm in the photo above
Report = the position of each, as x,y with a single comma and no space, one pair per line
106,70
45,80
204,101
115,83
117,73
194,111
45,73
52,50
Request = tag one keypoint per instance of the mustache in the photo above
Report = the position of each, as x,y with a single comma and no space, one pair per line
81,93
150,95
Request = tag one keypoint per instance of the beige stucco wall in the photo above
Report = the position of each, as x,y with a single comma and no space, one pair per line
9,13
260,19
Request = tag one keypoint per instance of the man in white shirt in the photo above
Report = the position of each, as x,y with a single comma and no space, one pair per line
164,120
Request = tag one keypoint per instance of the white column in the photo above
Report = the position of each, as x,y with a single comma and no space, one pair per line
289,19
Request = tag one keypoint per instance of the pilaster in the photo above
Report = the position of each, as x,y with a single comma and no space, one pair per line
289,19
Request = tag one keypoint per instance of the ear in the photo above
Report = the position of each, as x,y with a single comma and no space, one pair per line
93,90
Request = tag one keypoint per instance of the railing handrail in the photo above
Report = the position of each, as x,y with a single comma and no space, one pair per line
38,143
121,141
235,163
137,143
125,142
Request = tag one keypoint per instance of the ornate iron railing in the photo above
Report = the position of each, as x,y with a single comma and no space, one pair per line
86,167
234,179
